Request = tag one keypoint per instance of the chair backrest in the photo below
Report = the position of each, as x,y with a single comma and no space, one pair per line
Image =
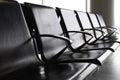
83,19
94,20
46,23
101,20
96,24
69,23
16,45
102,23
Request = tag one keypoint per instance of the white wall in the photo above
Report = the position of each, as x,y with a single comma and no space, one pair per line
117,13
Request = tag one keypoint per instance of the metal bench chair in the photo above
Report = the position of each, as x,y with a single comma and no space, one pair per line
54,50
105,28
95,24
69,23
17,50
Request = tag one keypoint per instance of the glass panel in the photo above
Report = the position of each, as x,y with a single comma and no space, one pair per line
67,4
31,1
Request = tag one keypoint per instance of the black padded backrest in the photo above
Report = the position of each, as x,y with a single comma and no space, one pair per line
101,20
16,46
70,23
47,23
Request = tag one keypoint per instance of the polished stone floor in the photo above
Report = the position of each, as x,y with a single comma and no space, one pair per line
110,69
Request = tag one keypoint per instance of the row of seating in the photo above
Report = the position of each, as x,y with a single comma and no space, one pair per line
60,43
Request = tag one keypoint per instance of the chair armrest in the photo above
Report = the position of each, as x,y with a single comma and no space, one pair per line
82,32
109,28
85,60
56,36
95,30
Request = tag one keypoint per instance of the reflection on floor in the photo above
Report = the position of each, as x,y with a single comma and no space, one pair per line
110,69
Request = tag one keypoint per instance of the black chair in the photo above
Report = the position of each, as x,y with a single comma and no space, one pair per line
54,48
72,30
95,24
105,28
69,23
85,25
83,18
17,49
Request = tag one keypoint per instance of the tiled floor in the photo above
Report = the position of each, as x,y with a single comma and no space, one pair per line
110,69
